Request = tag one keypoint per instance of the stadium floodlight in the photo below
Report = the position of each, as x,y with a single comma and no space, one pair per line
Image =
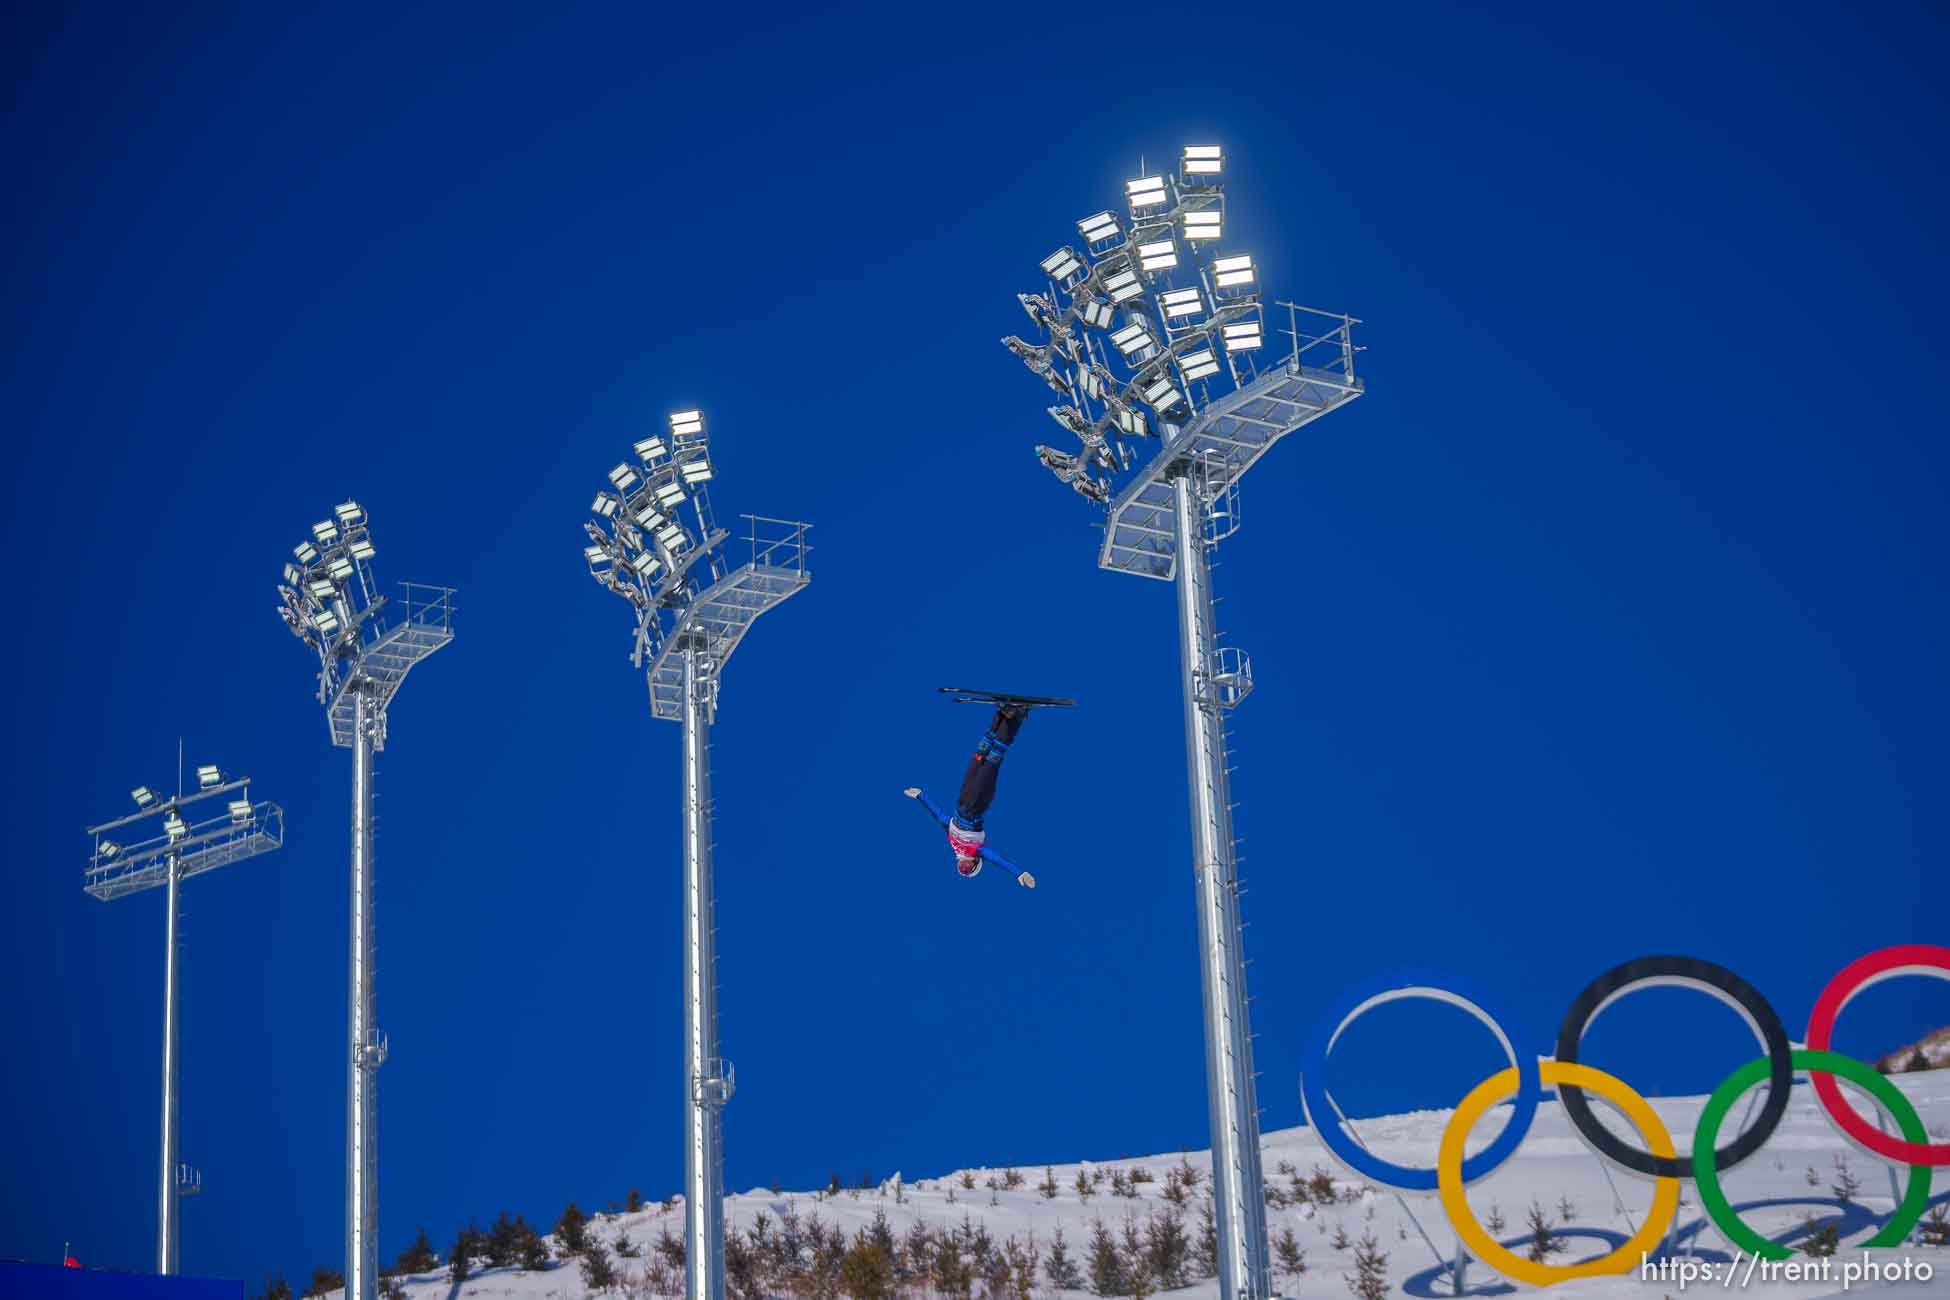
1061,265
1203,223
1159,255
623,477
322,588
168,842
1100,228
293,576
1123,285
1165,512
1146,192
669,494
1198,365
1243,337
208,775
691,613
348,513
1202,162
1180,303
306,552
1232,272
1097,313
366,644
604,505
649,449
697,471
325,531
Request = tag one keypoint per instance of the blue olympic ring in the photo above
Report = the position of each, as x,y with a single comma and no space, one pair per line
1396,986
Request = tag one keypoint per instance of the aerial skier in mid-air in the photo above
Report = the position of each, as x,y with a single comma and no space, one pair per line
966,837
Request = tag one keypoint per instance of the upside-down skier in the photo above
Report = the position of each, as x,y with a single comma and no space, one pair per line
967,838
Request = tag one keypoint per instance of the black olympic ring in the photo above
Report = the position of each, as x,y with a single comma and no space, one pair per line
1689,972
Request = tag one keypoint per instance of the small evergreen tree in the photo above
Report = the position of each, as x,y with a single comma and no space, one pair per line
1320,1187
670,1249
1048,1187
1542,1243
1139,1280
1846,1184
627,1249
1822,1241
968,1180
1106,1263
391,1288
1340,1240
1496,1222
1167,1249
1917,1061
1011,1177
419,1257
1059,1268
570,1230
1566,1208
275,1288
1370,1277
1084,1186
633,1203
952,1275
499,1247
1932,1231
324,1281
531,1252
1293,1260
1208,1240
598,1274
867,1270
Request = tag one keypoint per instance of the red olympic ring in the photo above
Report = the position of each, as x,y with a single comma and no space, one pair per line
1903,959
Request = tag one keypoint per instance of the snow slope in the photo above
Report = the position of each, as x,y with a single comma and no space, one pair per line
1552,1166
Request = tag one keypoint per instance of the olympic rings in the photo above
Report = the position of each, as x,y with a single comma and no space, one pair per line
1821,1064
1526,1077
1904,959
1686,972
1325,1117
1565,1074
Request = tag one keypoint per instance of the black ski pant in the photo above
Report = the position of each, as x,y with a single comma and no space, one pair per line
978,782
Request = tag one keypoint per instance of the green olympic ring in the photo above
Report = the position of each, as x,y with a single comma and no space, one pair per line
1916,1197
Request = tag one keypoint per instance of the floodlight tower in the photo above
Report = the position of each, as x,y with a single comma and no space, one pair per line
182,847
692,609
1158,362
366,645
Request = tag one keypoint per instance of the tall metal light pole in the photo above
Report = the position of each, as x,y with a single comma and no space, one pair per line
1160,362
366,644
692,609
167,854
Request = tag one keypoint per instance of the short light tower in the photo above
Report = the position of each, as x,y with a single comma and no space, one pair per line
366,644
655,543
162,843
1155,344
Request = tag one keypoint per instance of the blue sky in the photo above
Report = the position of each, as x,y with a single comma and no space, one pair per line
1611,620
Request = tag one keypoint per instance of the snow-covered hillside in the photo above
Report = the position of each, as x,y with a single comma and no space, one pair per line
1553,1170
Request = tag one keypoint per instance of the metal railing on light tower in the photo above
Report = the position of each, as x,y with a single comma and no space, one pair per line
184,847
693,606
366,645
1160,361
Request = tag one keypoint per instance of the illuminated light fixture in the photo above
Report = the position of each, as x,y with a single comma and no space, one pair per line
1198,365
325,621
1092,383
348,513
623,477
208,775
1242,338
306,552
670,494
1161,394
1099,228
240,810
1204,224
325,531
340,568
107,849
1181,302
1159,256
175,826
361,550
1133,338
1131,421
646,563
604,504
650,448
1229,272
596,555
1098,313
684,424
293,575
322,588
698,471
1203,160
649,516
143,796
1122,285
1145,192
670,535
1061,265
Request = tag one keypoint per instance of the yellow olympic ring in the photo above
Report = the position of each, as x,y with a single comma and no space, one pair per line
1448,1168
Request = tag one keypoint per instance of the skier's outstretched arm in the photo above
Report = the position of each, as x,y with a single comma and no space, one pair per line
920,796
1023,878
